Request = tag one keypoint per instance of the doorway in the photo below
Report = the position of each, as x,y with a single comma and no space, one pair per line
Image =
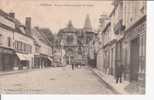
134,59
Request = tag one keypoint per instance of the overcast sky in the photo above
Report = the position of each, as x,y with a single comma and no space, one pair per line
55,14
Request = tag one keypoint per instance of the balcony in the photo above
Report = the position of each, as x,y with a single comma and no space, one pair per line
119,27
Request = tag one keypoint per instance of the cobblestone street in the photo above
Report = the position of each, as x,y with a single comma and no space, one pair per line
60,80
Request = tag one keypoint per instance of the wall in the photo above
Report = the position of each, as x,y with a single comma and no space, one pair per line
26,40
133,10
5,34
44,48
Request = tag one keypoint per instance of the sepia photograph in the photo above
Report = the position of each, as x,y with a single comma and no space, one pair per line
80,47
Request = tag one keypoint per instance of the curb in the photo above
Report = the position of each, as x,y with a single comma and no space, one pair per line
13,72
19,71
107,84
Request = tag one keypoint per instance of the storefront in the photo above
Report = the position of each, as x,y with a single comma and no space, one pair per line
23,61
134,52
109,57
37,61
45,61
6,59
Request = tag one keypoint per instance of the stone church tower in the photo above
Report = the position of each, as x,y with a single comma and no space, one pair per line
75,41
87,24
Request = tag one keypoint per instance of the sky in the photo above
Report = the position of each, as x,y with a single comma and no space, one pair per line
55,14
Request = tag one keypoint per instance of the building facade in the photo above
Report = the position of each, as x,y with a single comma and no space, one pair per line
7,27
134,43
68,40
75,42
118,31
17,44
23,44
24,47
123,40
43,49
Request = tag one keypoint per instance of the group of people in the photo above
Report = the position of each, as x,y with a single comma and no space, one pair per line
75,66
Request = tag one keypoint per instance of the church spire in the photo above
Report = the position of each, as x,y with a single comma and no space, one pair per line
87,24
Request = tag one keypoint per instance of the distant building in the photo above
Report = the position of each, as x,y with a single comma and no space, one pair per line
75,42
43,49
69,41
48,34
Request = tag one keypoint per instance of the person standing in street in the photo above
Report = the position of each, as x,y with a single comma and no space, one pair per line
72,66
119,73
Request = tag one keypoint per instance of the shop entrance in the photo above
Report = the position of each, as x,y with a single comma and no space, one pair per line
134,59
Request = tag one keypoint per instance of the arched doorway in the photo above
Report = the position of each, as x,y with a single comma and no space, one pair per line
69,56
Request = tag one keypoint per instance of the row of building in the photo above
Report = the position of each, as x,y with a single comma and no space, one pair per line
21,46
121,40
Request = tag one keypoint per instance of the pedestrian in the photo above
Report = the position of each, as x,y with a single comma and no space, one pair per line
79,66
72,66
119,73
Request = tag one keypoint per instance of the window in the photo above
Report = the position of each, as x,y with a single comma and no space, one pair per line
20,46
69,39
25,48
17,45
1,42
9,42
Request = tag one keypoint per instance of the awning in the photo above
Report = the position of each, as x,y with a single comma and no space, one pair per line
50,59
22,56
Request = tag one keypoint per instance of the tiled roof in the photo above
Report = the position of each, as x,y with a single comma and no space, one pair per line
7,16
6,27
43,37
18,25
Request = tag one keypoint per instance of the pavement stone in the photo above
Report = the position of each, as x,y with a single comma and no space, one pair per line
59,80
121,88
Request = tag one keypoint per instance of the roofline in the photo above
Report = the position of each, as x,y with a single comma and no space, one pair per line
43,36
6,15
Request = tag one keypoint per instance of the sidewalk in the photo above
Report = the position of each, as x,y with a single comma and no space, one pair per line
121,88
12,72
19,71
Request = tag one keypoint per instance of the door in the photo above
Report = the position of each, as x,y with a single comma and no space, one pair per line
134,64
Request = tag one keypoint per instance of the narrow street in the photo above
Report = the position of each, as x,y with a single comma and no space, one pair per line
60,80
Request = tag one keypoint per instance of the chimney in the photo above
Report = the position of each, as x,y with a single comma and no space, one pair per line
12,14
28,25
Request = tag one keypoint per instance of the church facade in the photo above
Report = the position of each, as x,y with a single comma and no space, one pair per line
75,42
